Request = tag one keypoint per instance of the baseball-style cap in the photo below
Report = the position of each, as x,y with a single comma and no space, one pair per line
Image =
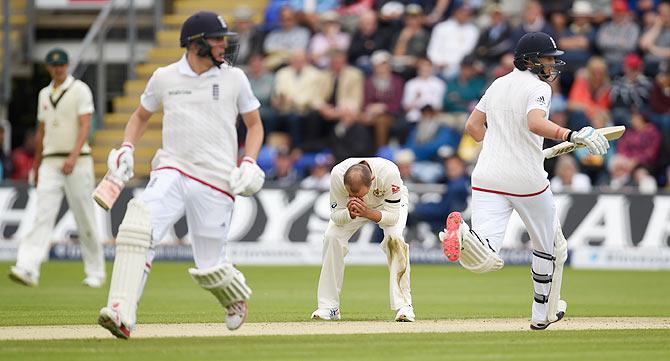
620,6
632,61
57,56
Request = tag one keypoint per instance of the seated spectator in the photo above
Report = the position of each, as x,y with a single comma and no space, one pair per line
308,11
429,135
655,41
411,42
578,39
589,96
463,92
532,21
250,38
23,158
618,37
262,84
568,178
619,176
504,67
642,142
366,40
452,40
282,173
630,90
297,90
382,105
642,179
404,159
425,89
455,198
330,38
350,12
495,40
281,42
319,174
659,101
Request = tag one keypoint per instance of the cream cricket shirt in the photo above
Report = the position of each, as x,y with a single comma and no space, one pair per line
511,160
384,195
59,109
199,117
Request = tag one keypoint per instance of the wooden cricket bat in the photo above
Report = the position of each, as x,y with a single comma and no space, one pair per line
611,133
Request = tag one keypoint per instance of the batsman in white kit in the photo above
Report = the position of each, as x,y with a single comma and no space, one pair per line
511,119
364,190
194,173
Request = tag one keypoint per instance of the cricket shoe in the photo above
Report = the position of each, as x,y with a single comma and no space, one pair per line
93,282
562,307
236,314
451,237
21,276
327,314
405,314
111,320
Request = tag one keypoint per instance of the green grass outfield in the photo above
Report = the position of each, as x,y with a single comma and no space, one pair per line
289,294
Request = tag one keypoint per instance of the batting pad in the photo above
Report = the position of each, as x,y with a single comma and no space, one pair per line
224,281
476,255
132,245
561,251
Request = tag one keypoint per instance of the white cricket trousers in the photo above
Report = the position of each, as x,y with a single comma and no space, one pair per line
335,248
170,194
490,215
77,186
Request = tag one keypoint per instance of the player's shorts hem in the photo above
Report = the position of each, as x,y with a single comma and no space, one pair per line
510,194
197,180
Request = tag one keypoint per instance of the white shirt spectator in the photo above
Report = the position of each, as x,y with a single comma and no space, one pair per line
450,42
420,92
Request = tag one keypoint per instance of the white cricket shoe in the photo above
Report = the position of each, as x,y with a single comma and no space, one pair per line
236,314
560,313
327,314
405,314
111,320
19,275
93,282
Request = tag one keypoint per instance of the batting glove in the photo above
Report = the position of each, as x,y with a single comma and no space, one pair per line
120,162
595,142
247,179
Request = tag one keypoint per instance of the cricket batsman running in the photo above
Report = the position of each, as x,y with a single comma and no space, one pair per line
512,120
364,190
193,173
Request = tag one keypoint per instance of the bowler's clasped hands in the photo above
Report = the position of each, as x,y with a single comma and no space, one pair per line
357,208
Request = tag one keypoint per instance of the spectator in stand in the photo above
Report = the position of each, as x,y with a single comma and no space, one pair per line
643,180
568,178
532,21
618,37
319,175
366,40
659,102
341,101
630,90
642,142
437,10
425,89
283,174
23,158
452,40
578,39
262,84
281,42
330,38
404,159
382,105
6,166
455,198
308,11
411,42
350,12
429,135
250,38
619,176
463,92
655,41
589,100
504,67
495,40
297,90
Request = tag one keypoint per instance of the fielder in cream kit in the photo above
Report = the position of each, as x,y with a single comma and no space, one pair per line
364,190
512,119
194,173
63,165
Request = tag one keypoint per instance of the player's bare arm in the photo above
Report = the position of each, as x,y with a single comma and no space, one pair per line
255,132
476,125
82,135
137,125
540,125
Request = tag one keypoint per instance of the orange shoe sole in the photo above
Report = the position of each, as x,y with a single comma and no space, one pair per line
451,244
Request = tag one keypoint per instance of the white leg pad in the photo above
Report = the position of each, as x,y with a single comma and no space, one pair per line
561,254
224,281
132,245
476,254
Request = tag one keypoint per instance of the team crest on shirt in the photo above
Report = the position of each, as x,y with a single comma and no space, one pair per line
215,91
378,193
394,188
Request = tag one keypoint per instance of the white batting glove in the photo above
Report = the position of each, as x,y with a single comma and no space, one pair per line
595,142
247,179
120,162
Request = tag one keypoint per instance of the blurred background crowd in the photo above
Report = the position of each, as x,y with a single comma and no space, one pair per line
398,79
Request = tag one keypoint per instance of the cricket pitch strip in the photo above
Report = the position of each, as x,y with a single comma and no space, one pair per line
329,328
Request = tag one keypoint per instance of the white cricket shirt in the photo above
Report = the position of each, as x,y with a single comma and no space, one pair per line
199,117
511,160
384,195
59,109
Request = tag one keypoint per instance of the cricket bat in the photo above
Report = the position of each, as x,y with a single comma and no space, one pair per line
611,133
107,192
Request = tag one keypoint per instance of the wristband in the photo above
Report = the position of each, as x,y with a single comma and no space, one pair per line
248,159
128,144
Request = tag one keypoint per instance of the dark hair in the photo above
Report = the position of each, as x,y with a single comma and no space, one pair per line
358,175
